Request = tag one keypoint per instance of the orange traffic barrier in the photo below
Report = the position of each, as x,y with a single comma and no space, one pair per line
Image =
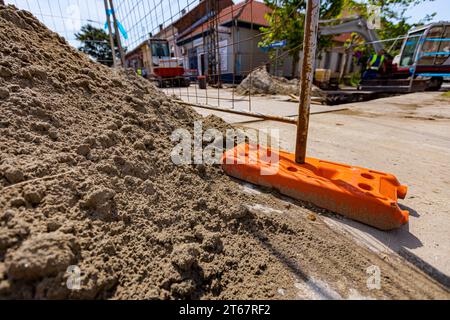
360,194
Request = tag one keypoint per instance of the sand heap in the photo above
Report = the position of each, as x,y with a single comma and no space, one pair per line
262,82
90,196
86,180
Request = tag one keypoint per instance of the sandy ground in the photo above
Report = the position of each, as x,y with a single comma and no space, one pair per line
278,105
408,136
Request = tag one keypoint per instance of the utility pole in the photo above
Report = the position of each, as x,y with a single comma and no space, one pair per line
307,76
111,40
116,30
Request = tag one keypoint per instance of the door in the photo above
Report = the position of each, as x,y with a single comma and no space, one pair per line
203,64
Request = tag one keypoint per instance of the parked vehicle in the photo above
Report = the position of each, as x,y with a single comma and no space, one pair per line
165,70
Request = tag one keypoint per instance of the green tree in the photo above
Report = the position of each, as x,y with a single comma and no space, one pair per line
95,42
286,22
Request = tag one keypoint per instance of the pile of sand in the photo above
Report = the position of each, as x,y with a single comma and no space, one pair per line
90,196
86,180
262,82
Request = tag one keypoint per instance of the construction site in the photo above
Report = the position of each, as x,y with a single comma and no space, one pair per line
188,150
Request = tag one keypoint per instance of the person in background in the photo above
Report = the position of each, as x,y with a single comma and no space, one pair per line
375,65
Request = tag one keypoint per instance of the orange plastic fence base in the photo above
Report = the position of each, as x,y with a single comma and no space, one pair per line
360,194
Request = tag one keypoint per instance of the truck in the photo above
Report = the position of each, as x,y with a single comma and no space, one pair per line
161,67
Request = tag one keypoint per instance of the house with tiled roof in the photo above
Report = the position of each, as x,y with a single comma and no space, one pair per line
236,38
235,30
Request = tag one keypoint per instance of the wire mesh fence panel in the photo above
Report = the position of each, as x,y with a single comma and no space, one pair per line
213,39
66,17
210,41
200,52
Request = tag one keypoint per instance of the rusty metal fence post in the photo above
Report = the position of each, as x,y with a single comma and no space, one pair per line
307,76
111,40
116,29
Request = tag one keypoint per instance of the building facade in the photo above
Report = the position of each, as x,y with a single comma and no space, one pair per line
236,38
230,35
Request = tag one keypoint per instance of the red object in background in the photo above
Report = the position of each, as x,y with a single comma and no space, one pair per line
169,72
423,69
394,68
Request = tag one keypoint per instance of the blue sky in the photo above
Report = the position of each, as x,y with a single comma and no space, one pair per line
441,7
140,17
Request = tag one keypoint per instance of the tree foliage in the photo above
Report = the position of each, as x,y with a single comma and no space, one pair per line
287,23
95,42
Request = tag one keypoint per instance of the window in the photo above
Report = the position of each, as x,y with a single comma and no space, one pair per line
160,49
339,62
327,60
409,49
193,58
444,47
430,48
